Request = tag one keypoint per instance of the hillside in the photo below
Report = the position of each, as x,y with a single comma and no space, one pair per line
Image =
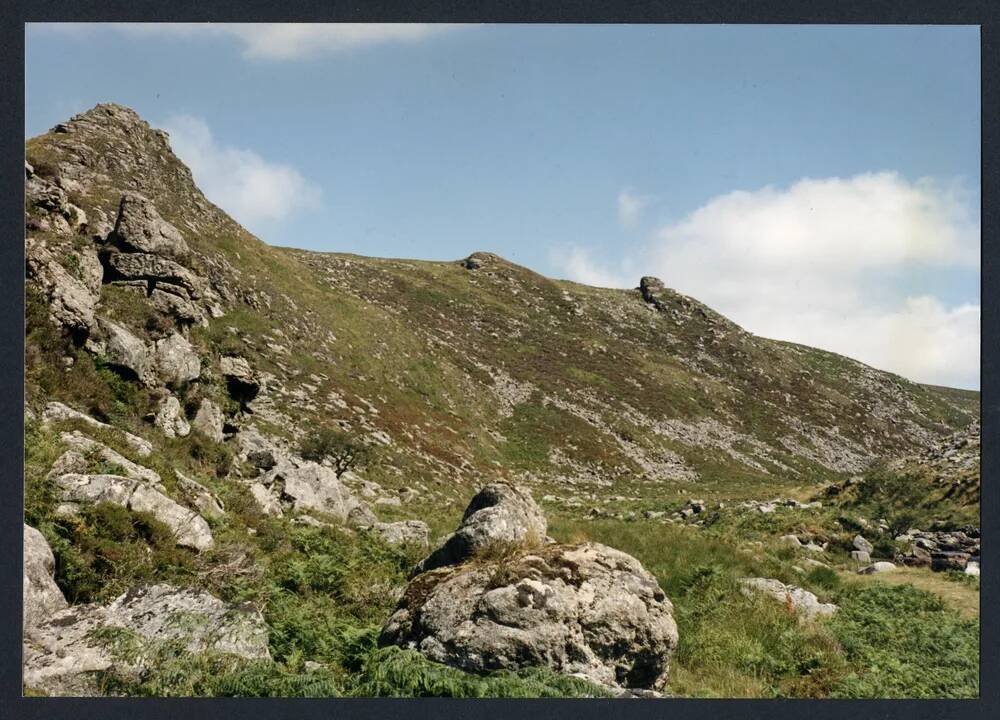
154,313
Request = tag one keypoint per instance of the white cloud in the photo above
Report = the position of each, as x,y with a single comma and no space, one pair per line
241,182
273,41
825,262
630,207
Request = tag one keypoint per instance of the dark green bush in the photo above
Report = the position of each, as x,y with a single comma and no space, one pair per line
342,450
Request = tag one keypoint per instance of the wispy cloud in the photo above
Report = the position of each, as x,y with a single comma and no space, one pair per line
241,182
630,207
273,41
824,262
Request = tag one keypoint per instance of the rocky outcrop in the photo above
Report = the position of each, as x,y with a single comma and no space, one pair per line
139,228
207,502
499,514
71,302
189,528
42,597
585,610
793,597
63,653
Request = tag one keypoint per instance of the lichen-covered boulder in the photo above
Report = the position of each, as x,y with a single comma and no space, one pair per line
170,418
498,514
585,610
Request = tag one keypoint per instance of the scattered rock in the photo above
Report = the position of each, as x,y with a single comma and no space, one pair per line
794,597
83,446
877,567
861,544
790,540
210,422
404,532
861,556
126,352
207,502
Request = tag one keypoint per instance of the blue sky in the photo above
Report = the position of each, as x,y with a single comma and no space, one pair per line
818,184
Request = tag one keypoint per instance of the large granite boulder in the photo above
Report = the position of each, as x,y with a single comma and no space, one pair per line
499,514
585,610
63,653
499,595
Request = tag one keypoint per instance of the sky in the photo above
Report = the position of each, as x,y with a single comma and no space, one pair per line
813,183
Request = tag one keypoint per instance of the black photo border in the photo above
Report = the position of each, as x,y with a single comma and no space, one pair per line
14,15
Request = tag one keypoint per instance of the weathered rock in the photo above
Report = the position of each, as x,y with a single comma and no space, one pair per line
404,532
42,597
861,556
127,352
85,446
258,450
877,567
943,561
861,544
139,228
790,541
499,514
170,418
207,502
267,502
309,486
242,382
189,528
58,412
587,610
176,360
210,422
156,271
71,301
62,654
796,598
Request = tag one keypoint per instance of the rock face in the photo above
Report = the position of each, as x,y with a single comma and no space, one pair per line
140,228
58,412
61,654
241,381
796,598
498,514
190,529
42,597
586,610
